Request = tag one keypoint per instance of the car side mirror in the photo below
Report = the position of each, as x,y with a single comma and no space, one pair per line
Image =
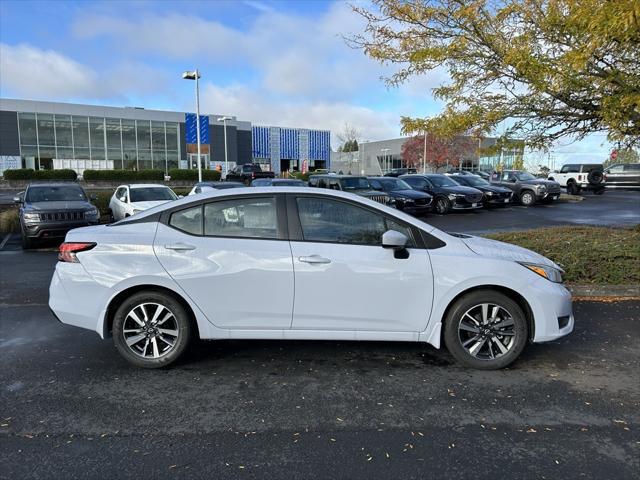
397,242
17,199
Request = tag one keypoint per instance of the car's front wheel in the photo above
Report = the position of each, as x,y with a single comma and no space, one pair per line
486,330
442,206
151,329
527,198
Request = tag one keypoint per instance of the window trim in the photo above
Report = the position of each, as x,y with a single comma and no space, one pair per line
295,227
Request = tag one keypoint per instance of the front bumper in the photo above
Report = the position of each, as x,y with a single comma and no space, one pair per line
43,231
549,196
497,200
462,204
552,310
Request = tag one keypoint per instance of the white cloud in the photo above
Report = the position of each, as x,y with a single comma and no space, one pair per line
249,104
36,73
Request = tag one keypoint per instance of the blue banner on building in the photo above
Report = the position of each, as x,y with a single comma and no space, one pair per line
191,131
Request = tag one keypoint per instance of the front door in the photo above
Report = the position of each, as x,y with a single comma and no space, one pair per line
233,260
345,280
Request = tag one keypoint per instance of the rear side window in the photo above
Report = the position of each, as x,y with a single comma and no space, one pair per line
246,217
188,220
632,167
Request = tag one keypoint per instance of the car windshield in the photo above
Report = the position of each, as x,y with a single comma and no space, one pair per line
55,194
442,181
389,185
357,183
251,168
152,194
524,176
475,181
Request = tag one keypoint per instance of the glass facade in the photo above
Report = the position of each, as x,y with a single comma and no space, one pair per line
79,142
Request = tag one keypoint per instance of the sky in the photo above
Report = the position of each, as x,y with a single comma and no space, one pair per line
280,62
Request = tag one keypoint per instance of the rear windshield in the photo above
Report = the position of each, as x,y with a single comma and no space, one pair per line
62,193
471,180
152,194
442,181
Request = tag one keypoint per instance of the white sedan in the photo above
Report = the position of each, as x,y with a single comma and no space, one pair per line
299,263
129,200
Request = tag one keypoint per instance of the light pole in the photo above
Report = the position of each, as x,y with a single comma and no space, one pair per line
384,158
195,75
424,154
226,159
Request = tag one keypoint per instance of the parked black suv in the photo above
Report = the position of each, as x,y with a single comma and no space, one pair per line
407,199
494,195
527,188
352,184
447,194
50,210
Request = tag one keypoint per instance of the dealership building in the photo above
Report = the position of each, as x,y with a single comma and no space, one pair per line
50,135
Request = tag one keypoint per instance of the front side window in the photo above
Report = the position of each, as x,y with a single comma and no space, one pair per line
324,220
188,220
524,176
246,217
356,183
416,182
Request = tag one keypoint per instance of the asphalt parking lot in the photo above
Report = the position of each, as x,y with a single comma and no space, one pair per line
70,405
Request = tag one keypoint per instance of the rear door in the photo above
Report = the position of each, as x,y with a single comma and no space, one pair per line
632,175
232,258
615,176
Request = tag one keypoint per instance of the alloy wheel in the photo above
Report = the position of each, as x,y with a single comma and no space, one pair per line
527,199
487,331
150,330
441,206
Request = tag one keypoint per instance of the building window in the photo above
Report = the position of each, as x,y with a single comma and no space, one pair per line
96,133
63,131
46,133
80,132
27,125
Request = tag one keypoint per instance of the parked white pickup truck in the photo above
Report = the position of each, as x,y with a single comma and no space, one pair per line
580,176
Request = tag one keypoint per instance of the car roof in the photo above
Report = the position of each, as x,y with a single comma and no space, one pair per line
334,175
54,184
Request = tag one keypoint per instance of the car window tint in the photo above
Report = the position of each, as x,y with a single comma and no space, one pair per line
632,167
188,220
616,169
246,217
324,220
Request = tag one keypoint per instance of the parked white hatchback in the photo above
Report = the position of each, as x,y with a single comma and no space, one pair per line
299,263
129,200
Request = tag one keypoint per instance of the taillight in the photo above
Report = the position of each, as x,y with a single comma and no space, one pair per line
67,252
579,178
253,175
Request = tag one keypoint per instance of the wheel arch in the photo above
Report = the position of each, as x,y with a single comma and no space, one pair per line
119,299
512,294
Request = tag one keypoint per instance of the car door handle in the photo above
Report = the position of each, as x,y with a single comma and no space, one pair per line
313,259
180,246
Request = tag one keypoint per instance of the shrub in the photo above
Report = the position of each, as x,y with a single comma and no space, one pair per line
122,175
9,221
192,175
31,174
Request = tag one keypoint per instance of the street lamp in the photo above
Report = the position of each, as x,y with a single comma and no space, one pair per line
226,158
384,157
195,75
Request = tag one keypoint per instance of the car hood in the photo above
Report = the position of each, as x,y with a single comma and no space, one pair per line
148,204
413,194
548,183
493,188
367,193
57,206
460,189
504,251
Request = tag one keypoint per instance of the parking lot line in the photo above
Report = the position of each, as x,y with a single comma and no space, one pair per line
5,240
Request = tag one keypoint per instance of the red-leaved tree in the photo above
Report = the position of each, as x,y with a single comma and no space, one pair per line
440,152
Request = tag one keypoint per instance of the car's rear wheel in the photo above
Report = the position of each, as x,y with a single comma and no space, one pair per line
442,206
572,188
151,329
527,198
486,330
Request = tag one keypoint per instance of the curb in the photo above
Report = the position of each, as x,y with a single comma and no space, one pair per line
605,291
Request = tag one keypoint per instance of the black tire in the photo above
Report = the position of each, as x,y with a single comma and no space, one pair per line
442,205
27,243
111,217
572,188
595,177
527,198
454,336
180,322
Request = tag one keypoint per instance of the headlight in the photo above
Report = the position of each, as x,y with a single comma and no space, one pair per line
542,188
550,273
489,194
31,217
93,212
405,199
453,196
